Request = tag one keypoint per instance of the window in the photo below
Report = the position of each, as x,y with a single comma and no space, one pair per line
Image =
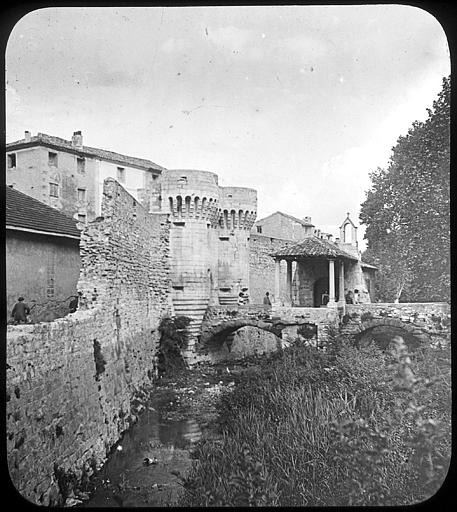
259,229
52,159
121,174
11,160
81,194
54,190
81,165
82,218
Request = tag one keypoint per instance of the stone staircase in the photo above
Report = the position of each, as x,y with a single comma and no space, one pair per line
228,301
194,308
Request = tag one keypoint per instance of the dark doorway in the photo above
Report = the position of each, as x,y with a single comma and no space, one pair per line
321,287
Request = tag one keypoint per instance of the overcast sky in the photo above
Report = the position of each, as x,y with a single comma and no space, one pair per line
300,103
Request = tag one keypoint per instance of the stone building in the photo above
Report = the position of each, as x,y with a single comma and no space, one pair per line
209,239
42,253
324,271
69,176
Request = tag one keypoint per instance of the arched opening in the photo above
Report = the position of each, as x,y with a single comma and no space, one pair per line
179,205
170,200
240,218
204,201
382,336
226,219
347,231
232,219
196,205
187,201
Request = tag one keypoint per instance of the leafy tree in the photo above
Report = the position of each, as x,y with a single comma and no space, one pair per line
406,211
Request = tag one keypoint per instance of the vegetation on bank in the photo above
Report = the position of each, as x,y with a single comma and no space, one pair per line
344,427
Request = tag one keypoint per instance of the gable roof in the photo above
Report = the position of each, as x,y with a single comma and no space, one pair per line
42,139
314,247
28,214
290,217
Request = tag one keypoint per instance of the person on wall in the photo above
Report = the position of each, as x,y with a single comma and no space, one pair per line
20,311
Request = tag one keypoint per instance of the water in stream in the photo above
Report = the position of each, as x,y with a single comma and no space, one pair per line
145,466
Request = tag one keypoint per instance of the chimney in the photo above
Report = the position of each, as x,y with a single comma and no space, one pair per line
77,140
27,136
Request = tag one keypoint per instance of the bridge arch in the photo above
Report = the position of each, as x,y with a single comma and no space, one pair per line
217,333
382,330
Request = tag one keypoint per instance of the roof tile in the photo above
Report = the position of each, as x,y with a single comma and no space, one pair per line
23,211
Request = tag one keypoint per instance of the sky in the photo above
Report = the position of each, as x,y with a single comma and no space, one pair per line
299,102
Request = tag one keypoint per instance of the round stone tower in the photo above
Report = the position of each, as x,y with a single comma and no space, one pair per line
238,211
192,199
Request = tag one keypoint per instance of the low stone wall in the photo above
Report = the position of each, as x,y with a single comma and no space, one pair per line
70,382
325,320
431,319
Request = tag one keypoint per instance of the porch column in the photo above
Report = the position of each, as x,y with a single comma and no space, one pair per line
331,283
341,290
277,275
289,281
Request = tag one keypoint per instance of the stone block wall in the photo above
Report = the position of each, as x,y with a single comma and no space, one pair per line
262,267
70,382
432,319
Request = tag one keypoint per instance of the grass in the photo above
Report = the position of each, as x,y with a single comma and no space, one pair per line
345,427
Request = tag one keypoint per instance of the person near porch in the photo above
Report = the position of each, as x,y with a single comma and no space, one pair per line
266,299
325,298
356,296
349,297
20,311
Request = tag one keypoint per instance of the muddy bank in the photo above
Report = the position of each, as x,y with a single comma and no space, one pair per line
146,466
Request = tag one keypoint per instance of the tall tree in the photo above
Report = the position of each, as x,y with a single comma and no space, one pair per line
407,211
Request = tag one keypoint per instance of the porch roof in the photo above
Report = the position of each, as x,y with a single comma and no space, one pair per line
313,247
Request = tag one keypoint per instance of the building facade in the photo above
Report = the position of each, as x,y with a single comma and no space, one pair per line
42,256
69,176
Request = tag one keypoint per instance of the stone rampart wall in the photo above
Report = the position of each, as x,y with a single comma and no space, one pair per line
70,382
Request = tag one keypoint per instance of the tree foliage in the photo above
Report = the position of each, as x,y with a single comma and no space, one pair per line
407,211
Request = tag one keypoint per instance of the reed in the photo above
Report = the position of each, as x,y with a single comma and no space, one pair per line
313,429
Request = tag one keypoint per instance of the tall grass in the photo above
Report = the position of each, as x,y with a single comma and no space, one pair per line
346,427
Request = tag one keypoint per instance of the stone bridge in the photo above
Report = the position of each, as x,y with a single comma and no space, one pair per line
421,322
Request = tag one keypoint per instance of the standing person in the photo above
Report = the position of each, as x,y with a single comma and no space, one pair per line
266,299
325,298
356,296
20,311
349,297
74,303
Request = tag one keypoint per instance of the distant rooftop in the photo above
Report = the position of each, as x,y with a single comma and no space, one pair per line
26,213
42,139
291,217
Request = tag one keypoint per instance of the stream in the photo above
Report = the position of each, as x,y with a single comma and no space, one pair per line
145,467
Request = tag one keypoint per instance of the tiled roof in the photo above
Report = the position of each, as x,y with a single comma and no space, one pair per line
62,144
313,247
23,211
291,217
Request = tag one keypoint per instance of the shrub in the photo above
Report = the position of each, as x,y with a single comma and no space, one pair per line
173,338
345,427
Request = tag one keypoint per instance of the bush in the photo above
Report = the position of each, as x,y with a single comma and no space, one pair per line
173,338
345,427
